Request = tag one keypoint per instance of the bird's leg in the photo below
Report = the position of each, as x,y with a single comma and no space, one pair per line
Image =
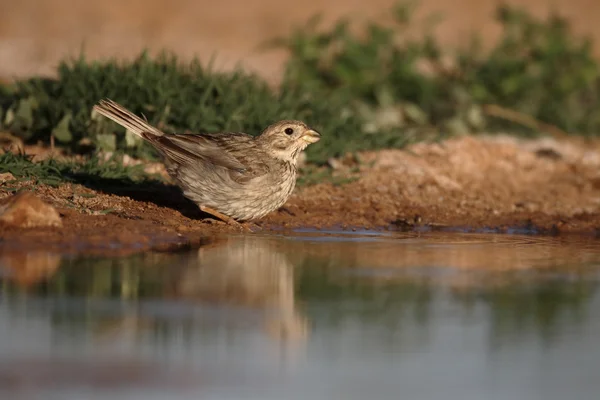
247,226
220,216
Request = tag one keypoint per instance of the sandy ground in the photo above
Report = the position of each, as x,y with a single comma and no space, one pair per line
35,35
496,183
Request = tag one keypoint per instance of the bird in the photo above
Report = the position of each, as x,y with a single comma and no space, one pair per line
233,176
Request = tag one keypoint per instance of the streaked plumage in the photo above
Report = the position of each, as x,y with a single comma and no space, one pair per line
235,174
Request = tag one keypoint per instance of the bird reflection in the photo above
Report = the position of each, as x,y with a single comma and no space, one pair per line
249,271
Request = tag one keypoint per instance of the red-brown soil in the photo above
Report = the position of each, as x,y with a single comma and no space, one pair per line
472,183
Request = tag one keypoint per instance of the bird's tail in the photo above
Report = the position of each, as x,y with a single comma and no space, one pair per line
125,118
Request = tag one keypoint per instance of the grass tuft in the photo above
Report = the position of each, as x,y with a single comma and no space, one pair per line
53,172
174,96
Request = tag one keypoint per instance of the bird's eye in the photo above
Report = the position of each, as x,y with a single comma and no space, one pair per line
289,131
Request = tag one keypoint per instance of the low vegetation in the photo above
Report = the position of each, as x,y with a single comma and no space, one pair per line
54,172
364,88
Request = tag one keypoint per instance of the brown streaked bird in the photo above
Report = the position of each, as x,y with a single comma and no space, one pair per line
232,176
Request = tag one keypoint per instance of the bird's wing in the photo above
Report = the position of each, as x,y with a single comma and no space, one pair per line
235,152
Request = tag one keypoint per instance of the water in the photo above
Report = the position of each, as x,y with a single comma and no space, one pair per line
308,316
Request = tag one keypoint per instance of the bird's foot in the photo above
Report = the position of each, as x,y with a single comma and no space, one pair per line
247,226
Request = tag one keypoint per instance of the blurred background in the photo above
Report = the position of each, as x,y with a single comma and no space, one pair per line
36,34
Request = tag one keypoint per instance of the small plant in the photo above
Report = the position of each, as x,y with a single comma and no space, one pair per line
538,68
54,172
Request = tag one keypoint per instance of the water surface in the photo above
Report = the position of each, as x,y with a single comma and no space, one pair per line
307,316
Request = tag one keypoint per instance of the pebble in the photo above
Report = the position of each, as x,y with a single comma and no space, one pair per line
6,177
25,210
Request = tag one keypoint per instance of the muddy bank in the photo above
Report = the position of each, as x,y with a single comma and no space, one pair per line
497,183
489,183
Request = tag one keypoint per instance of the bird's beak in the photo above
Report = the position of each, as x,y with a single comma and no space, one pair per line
311,136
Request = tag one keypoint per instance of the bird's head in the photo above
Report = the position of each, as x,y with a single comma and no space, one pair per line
286,139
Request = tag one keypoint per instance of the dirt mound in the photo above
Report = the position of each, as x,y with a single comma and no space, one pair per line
488,182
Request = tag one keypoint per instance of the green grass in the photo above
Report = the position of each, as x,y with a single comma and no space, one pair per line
363,89
538,68
93,172
177,97
53,172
